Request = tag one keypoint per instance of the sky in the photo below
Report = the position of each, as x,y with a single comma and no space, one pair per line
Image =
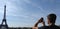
25,13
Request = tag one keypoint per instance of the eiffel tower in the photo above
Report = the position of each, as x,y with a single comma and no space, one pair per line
4,23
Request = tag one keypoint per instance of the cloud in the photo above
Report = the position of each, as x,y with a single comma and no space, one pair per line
27,1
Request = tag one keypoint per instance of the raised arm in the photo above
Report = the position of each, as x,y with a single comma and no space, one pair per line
39,21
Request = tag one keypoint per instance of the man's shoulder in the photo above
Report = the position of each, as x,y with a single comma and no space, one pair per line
43,27
54,27
49,27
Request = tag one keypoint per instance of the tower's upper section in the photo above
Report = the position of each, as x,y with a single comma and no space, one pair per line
4,12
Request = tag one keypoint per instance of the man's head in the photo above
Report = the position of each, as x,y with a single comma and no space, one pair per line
51,18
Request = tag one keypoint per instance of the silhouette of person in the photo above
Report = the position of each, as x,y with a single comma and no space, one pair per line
51,18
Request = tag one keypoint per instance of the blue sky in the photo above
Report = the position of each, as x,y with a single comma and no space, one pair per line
25,13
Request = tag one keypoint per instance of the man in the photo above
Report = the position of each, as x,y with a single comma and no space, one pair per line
51,21
51,18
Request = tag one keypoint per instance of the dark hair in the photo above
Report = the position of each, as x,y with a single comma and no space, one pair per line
52,18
